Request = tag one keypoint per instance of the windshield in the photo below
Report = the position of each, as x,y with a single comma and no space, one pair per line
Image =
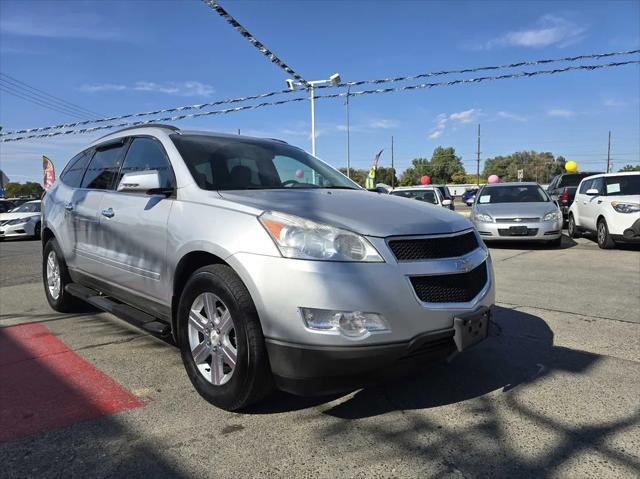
27,208
222,163
512,194
428,196
622,185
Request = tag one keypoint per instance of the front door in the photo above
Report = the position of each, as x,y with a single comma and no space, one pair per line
134,227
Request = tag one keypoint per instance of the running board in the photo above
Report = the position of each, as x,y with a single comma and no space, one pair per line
124,311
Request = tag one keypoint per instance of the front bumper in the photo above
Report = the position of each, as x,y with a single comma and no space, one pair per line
280,286
536,231
22,230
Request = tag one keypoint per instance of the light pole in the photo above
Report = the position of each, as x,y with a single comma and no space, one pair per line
292,85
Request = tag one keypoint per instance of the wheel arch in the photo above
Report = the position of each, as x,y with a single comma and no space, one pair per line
46,235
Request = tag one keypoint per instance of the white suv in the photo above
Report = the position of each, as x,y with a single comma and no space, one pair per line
608,204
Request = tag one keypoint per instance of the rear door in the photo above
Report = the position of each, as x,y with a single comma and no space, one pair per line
134,226
98,178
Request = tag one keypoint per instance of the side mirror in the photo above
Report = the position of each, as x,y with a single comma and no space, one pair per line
446,202
592,192
140,182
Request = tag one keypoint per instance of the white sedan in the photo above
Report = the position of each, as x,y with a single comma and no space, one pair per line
21,222
428,194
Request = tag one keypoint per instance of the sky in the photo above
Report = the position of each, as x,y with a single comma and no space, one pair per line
117,57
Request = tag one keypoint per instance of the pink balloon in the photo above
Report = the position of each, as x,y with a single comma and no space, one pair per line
493,179
425,180
299,173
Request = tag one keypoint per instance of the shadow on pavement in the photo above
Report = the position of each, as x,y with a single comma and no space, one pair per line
567,243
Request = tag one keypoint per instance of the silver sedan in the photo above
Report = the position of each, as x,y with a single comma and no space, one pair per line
516,211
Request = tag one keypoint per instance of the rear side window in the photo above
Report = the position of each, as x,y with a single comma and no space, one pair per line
72,174
103,168
586,184
148,154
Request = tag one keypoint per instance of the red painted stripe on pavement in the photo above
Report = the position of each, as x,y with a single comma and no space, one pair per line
44,385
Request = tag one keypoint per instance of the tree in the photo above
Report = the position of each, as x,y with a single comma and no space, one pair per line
30,188
537,166
359,176
629,168
445,164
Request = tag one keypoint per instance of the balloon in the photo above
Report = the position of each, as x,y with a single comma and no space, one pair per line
299,173
571,166
425,180
493,179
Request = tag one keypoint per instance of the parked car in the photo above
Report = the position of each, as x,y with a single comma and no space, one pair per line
517,211
469,196
446,194
608,204
428,194
6,206
264,263
563,189
21,222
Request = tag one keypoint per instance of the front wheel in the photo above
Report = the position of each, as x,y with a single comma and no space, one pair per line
55,277
605,241
572,229
221,339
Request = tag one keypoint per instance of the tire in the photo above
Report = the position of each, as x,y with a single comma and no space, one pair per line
63,302
556,243
605,241
210,293
37,231
572,229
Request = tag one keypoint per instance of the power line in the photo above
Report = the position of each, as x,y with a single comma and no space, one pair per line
52,98
335,95
36,101
253,40
280,92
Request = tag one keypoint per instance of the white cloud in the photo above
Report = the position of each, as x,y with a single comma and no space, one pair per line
560,113
613,103
68,25
548,30
383,124
510,116
187,88
442,120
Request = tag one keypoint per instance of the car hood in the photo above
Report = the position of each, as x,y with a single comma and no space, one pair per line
516,210
364,212
13,216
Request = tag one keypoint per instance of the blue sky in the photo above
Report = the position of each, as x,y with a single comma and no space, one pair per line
117,57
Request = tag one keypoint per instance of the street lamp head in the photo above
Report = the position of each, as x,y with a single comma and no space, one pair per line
291,85
335,79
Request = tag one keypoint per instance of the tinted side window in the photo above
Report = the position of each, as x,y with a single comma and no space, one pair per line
103,169
586,184
598,184
72,174
148,154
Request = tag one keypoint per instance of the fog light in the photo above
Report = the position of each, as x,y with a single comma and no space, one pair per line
353,324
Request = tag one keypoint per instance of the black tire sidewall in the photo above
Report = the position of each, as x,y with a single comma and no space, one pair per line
607,242
573,232
64,301
227,395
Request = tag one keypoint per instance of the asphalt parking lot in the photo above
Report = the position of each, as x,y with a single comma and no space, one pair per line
552,393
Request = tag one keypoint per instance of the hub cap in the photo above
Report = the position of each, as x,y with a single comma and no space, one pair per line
53,275
212,338
601,233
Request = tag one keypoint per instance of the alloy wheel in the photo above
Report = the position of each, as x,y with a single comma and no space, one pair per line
53,275
212,338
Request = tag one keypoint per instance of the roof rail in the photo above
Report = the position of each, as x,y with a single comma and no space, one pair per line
143,125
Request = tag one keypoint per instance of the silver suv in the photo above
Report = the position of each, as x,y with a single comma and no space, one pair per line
266,265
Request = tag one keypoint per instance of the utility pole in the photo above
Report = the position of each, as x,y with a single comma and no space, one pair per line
393,170
348,139
609,154
478,159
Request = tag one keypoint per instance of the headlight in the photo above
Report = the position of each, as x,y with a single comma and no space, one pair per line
19,221
625,207
485,218
552,216
352,324
300,238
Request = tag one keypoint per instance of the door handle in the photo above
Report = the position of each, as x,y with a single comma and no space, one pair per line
108,213
599,201
68,206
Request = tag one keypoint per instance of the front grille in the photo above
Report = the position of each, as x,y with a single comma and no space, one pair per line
451,288
517,220
508,232
432,248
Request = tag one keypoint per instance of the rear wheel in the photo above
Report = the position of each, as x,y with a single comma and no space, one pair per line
221,339
55,277
572,229
605,241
